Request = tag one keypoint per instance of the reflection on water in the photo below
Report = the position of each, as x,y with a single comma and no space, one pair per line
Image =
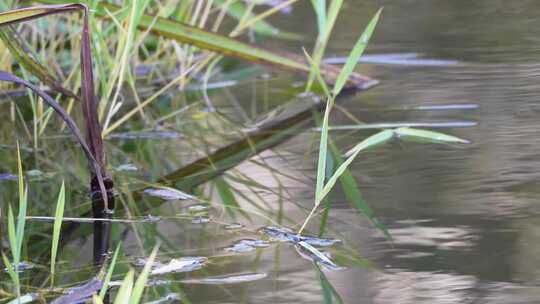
402,286
463,219
439,238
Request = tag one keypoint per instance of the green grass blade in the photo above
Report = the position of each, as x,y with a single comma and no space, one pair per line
124,293
58,217
320,10
353,194
370,142
138,289
427,136
317,73
331,17
11,271
330,166
21,220
329,292
109,274
12,235
21,15
323,144
324,36
355,54
323,149
317,253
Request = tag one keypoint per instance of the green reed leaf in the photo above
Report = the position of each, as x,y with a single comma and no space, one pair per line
354,196
109,274
330,294
355,54
320,10
124,293
324,36
11,272
427,136
370,142
140,284
58,217
12,235
21,220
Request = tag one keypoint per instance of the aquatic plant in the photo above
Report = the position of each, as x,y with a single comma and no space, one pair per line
324,183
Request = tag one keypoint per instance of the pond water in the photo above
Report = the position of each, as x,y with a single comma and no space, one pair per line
463,219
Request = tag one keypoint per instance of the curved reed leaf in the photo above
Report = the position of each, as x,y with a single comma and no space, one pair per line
34,12
427,136
370,142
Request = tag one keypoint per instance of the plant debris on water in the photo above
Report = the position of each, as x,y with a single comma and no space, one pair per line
185,264
285,235
169,194
227,279
247,245
80,294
